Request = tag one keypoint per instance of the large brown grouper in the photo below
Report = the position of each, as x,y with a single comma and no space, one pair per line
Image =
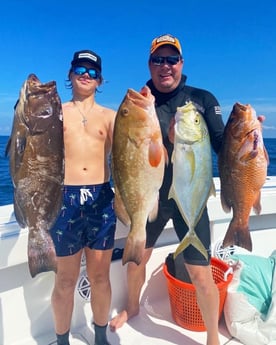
36,154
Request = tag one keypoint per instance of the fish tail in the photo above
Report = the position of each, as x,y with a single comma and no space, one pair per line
191,238
41,258
239,236
134,250
172,194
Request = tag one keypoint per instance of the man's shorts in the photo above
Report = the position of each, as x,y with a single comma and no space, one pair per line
86,219
169,210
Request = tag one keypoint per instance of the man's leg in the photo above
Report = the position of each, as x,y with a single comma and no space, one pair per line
207,298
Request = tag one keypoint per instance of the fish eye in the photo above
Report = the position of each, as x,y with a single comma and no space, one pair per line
125,111
197,120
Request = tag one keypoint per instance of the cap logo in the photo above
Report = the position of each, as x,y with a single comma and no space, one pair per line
87,56
166,38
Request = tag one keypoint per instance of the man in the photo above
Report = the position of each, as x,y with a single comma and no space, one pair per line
87,222
168,85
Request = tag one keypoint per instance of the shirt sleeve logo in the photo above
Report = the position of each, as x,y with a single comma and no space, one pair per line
217,110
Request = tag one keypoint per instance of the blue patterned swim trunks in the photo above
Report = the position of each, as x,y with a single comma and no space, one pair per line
86,219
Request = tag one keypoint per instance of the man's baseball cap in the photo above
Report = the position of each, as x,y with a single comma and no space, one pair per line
87,56
166,39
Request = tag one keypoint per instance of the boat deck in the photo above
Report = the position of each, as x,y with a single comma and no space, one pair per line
154,324
25,302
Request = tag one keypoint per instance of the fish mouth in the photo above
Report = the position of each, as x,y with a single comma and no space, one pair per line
143,99
241,106
32,78
32,93
34,86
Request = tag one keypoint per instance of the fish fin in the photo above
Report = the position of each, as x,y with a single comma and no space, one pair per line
213,189
166,156
250,149
8,147
154,212
226,208
155,153
134,250
41,258
120,209
237,236
191,238
266,155
21,142
171,131
257,204
249,156
19,215
173,157
172,194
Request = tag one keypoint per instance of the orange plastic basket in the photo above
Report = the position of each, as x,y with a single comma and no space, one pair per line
184,307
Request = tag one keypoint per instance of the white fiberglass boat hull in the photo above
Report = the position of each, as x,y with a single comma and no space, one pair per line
25,305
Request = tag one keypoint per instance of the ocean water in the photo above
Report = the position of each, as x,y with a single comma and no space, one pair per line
6,187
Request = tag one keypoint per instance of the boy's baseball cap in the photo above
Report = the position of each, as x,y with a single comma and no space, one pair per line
87,56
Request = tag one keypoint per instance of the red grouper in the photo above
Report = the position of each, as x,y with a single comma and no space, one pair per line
138,158
243,162
36,153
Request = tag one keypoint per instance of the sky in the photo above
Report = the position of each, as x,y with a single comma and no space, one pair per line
229,48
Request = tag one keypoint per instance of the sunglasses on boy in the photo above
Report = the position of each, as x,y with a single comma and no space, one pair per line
80,70
160,60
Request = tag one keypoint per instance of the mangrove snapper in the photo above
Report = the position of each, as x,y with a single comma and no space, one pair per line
242,162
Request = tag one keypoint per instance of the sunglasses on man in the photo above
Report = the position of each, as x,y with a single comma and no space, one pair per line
160,60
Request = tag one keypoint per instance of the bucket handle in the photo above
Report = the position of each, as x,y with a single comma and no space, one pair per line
226,273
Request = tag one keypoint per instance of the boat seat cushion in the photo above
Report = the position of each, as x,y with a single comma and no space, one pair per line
250,305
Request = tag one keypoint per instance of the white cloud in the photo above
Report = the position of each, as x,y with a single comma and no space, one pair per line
271,128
